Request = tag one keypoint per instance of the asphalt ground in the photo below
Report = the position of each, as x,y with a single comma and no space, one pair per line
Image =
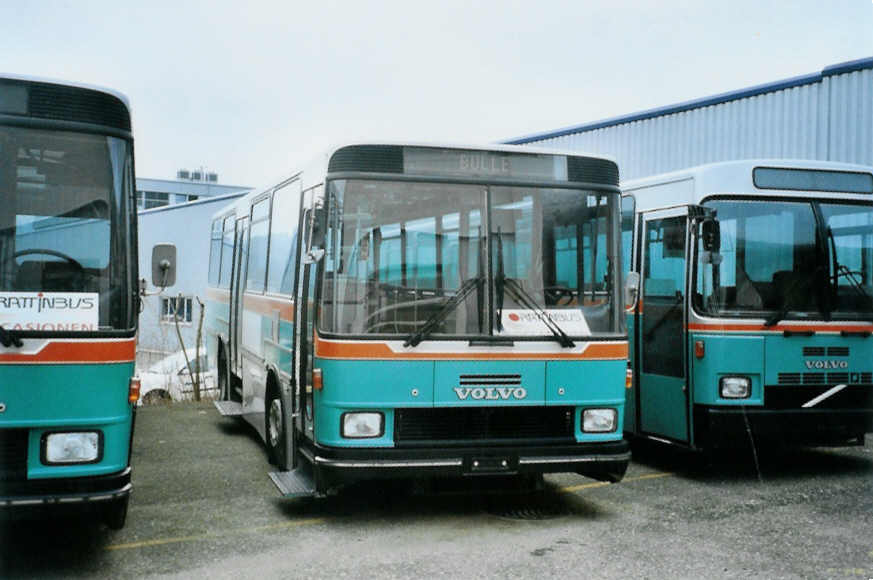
204,507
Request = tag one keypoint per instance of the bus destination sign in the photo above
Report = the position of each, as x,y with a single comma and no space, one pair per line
470,163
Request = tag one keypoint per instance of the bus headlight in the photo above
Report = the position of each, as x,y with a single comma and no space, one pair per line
599,420
77,447
362,425
734,387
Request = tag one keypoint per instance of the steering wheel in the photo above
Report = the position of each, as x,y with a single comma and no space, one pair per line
556,293
48,252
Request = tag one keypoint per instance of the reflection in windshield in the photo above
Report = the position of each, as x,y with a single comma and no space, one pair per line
778,260
400,258
59,230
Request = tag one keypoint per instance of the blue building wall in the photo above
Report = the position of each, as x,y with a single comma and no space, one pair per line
826,116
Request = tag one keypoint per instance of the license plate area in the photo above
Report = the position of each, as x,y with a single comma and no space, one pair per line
490,464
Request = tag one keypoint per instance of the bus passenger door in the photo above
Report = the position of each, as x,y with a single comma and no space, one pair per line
240,263
663,387
304,321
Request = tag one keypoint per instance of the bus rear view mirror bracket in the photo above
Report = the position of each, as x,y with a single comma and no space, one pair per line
313,256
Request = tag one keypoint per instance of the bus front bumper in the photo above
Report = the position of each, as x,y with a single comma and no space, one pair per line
730,427
65,491
605,461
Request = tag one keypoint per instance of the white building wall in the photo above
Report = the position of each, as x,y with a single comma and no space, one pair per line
828,117
188,227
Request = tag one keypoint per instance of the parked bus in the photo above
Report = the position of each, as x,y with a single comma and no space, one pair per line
68,297
401,310
754,314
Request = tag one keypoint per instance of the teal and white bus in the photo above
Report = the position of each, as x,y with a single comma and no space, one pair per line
407,310
68,297
754,317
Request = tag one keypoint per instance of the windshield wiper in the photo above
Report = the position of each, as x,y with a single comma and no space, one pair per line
9,338
415,338
528,302
501,283
841,270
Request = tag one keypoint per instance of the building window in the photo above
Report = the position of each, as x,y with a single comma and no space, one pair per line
150,199
170,306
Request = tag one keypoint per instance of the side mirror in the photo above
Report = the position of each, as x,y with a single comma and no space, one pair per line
710,232
163,265
631,289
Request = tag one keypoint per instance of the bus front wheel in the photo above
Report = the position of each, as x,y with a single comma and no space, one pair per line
275,429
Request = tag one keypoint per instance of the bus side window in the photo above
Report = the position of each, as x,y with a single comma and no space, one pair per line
227,239
215,252
259,227
283,239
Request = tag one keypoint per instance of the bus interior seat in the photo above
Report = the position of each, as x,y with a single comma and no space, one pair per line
798,284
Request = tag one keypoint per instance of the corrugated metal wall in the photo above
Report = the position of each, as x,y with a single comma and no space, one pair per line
828,116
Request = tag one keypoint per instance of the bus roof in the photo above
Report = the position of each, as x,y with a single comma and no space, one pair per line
313,173
692,185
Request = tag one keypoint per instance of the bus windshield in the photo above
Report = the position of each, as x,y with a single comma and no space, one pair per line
461,260
788,259
63,237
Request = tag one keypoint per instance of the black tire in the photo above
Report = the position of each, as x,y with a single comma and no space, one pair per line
156,397
274,428
223,379
115,513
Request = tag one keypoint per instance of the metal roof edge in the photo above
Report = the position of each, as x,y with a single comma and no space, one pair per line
848,66
188,204
718,99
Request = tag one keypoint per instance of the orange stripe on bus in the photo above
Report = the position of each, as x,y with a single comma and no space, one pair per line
268,306
381,351
218,295
83,351
779,328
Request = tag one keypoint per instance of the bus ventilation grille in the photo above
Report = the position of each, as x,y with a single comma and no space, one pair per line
825,378
76,104
13,454
489,380
464,425
822,351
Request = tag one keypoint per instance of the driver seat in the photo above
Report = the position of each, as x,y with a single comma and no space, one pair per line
28,276
50,276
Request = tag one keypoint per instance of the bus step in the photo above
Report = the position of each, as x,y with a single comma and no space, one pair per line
229,408
297,483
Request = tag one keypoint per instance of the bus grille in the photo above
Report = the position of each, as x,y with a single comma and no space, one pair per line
489,380
853,397
479,425
825,378
822,351
13,454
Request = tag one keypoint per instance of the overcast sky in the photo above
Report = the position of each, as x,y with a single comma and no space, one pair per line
252,89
